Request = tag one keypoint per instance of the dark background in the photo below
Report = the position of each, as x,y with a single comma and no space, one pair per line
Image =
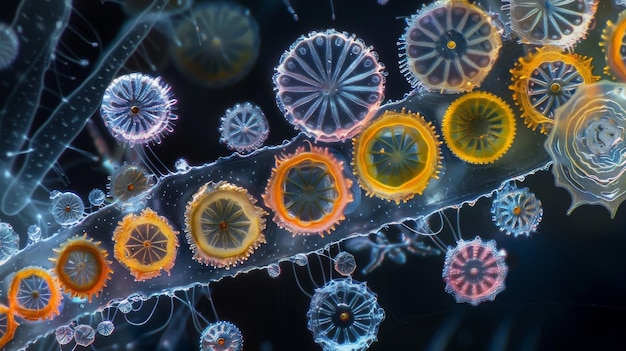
565,285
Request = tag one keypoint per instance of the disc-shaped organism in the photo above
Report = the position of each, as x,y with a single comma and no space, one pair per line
449,46
561,23
81,267
244,127
516,211
67,208
128,184
478,127
588,146
614,46
34,294
474,271
7,325
344,315
223,225
308,191
545,79
221,336
329,85
137,109
396,156
217,44
146,244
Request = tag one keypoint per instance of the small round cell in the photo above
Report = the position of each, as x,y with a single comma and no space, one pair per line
244,127
217,44
221,336
67,208
345,264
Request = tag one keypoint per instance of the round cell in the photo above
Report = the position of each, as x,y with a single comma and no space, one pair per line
474,271
64,334
34,294
145,244
273,270
105,328
396,156
221,336
345,264
449,46
551,22
137,109
81,267
84,335
614,46
308,191
7,325
516,211
9,242
223,225
479,127
244,127
587,146
96,197
344,315
217,45
128,183
67,208
329,85
545,79
9,45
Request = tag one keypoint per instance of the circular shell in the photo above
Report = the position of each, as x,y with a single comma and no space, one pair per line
81,267
145,244
549,22
129,182
221,336
308,191
546,79
34,294
449,46
7,325
329,85
396,156
478,127
614,45
222,225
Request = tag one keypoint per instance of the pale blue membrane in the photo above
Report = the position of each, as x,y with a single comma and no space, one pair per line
71,115
458,183
24,80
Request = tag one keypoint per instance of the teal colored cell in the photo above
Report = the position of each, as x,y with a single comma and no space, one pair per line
218,45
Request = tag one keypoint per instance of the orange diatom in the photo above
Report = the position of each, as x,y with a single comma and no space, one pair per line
34,294
308,191
7,325
546,79
81,267
145,244
395,157
614,37
478,127
223,225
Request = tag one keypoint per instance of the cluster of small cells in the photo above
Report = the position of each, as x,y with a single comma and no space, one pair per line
329,84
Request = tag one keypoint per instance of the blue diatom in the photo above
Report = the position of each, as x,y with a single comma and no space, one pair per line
221,335
329,85
67,208
137,109
9,242
344,315
516,211
244,127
